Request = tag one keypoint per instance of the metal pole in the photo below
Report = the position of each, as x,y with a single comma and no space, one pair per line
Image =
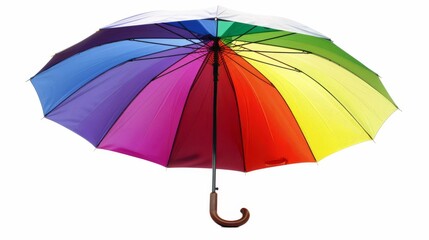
215,49
213,195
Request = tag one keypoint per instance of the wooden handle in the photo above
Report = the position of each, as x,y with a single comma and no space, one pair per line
223,222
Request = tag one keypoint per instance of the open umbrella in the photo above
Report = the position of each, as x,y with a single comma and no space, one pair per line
214,89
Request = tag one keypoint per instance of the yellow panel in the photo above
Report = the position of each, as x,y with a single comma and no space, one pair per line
332,105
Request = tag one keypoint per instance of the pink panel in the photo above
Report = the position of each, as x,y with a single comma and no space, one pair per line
148,126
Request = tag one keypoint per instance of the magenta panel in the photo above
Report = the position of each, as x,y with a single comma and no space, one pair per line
148,126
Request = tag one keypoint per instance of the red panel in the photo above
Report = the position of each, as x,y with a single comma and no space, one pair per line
271,135
193,143
229,142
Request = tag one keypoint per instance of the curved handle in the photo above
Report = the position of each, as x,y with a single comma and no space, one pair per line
223,222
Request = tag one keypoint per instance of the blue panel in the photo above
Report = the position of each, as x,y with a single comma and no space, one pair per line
92,110
60,81
210,25
198,27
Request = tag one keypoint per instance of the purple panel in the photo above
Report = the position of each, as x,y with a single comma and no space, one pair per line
92,110
148,126
108,35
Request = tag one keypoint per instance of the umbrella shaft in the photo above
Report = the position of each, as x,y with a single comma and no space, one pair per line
215,49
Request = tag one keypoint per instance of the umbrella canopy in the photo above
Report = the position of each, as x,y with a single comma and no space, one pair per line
213,88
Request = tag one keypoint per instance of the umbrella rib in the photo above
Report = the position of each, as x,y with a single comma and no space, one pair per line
332,95
287,105
271,64
164,44
263,40
272,58
193,34
146,57
129,103
264,51
190,40
249,34
302,51
339,102
251,72
238,108
239,36
166,56
166,73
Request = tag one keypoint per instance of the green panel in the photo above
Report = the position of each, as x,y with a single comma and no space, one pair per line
321,47
230,30
223,26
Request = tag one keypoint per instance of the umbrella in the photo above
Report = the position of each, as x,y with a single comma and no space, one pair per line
216,89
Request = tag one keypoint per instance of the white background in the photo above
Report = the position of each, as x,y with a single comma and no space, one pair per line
55,185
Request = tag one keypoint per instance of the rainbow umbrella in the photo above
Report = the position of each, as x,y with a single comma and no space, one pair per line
214,89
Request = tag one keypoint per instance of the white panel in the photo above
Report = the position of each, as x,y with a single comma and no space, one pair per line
216,12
